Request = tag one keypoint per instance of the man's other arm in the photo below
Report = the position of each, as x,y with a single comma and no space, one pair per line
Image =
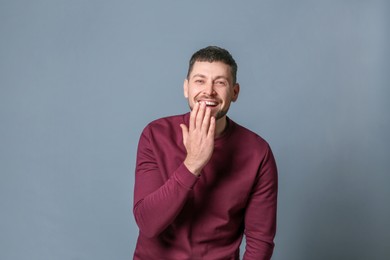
260,216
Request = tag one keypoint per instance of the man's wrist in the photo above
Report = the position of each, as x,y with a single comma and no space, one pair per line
192,168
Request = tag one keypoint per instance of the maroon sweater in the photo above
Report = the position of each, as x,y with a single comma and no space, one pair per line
181,216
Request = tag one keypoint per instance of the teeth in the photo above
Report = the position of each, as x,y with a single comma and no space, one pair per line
210,103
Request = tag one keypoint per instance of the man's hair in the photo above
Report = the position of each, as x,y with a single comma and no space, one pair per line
211,54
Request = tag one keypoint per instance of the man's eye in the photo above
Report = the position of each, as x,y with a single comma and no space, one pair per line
220,83
199,81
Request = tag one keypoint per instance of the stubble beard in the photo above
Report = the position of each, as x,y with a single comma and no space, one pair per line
220,114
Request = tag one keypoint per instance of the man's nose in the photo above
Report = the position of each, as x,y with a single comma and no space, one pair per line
209,89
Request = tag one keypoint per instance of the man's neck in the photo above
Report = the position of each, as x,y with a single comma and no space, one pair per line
220,126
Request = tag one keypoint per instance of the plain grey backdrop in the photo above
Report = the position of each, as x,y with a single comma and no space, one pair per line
80,79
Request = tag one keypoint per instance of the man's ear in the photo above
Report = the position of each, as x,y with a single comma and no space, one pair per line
236,91
185,88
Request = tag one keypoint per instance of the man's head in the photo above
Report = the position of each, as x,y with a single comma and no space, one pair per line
212,54
211,79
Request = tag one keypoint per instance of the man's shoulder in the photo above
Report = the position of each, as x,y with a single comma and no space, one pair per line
248,136
168,124
166,121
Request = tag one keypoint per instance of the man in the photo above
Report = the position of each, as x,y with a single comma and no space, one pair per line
202,180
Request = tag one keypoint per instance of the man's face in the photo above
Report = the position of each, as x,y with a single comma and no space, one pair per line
211,82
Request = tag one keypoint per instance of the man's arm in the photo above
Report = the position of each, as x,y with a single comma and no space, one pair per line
260,216
157,204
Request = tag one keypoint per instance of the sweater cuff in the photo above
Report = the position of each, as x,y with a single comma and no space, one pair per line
185,177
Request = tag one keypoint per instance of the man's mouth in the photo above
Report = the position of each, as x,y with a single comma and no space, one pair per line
209,103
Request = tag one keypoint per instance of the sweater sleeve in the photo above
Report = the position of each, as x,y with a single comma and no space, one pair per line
260,216
157,202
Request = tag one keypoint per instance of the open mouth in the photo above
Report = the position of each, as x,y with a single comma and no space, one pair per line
209,103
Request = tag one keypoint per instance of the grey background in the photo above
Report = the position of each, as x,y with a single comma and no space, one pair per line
80,79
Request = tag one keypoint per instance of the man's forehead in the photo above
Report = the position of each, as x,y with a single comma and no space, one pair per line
205,67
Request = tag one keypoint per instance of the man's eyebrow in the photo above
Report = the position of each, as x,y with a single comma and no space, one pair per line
203,76
221,77
199,75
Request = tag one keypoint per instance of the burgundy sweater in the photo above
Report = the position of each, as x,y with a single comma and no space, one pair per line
181,216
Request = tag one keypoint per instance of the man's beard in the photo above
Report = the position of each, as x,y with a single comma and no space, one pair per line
220,114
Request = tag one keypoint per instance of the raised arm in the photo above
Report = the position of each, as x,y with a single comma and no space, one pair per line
157,203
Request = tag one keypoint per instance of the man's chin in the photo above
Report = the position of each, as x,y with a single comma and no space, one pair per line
219,114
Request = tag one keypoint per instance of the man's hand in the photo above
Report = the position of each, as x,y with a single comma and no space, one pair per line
199,138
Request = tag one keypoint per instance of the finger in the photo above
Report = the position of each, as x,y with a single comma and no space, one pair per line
200,115
211,132
193,114
184,130
206,120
